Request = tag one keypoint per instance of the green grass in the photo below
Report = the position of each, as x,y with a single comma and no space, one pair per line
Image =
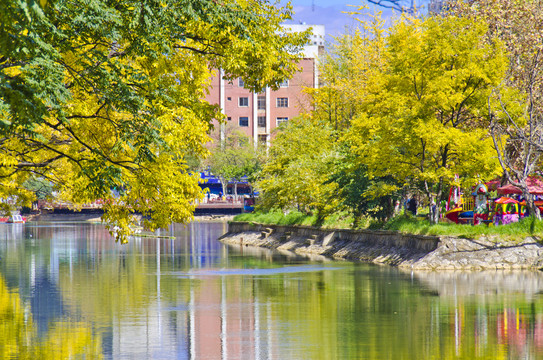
338,220
406,224
515,231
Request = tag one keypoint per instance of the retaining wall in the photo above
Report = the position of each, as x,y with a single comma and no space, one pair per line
390,247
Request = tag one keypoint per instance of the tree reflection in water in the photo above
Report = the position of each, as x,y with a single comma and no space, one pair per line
69,291
19,337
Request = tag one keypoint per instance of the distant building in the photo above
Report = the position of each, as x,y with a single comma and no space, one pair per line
257,114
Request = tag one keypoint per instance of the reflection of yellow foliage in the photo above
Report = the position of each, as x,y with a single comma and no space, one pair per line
15,333
67,340
18,338
121,286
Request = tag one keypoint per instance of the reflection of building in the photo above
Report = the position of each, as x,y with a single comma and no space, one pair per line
257,114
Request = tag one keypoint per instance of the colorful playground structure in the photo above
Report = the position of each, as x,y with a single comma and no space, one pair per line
477,207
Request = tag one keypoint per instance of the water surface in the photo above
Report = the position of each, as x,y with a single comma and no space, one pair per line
67,290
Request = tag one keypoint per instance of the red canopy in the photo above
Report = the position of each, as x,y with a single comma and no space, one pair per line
493,185
508,189
535,187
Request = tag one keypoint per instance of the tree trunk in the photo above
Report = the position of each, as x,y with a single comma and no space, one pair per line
224,185
532,209
433,211
437,202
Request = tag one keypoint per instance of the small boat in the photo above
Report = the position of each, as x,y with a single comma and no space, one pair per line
16,219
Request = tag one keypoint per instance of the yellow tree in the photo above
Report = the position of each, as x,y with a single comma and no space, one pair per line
423,118
96,95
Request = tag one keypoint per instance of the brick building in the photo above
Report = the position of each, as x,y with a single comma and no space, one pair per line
257,114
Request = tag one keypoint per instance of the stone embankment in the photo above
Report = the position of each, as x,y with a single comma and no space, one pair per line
390,247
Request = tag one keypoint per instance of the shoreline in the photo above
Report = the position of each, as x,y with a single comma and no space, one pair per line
96,216
416,252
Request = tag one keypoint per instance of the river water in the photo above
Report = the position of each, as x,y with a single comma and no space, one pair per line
67,290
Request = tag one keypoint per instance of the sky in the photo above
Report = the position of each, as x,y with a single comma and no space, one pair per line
330,13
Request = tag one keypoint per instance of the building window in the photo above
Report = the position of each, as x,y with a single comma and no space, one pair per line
281,120
244,101
282,102
241,83
262,140
261,102
284,84
261,121
244,121
229,118
229,98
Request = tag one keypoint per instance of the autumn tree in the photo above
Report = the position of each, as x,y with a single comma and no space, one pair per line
99,95
424,120
517,119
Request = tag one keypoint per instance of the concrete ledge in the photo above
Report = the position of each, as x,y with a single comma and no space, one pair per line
390,247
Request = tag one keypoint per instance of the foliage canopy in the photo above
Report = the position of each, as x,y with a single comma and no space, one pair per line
297,168
98,95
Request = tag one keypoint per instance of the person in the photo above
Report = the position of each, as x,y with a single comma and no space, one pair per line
412,206
397,207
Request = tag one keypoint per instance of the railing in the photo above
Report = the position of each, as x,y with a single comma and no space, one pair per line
229,199
47,204
468,202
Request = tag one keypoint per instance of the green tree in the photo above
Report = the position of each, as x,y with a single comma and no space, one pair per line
424,105
235,159
298,165
98,95
358,193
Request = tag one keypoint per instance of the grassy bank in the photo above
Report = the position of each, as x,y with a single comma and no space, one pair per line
406,224
337,221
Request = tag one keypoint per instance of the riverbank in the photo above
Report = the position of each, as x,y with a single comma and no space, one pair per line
418,252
